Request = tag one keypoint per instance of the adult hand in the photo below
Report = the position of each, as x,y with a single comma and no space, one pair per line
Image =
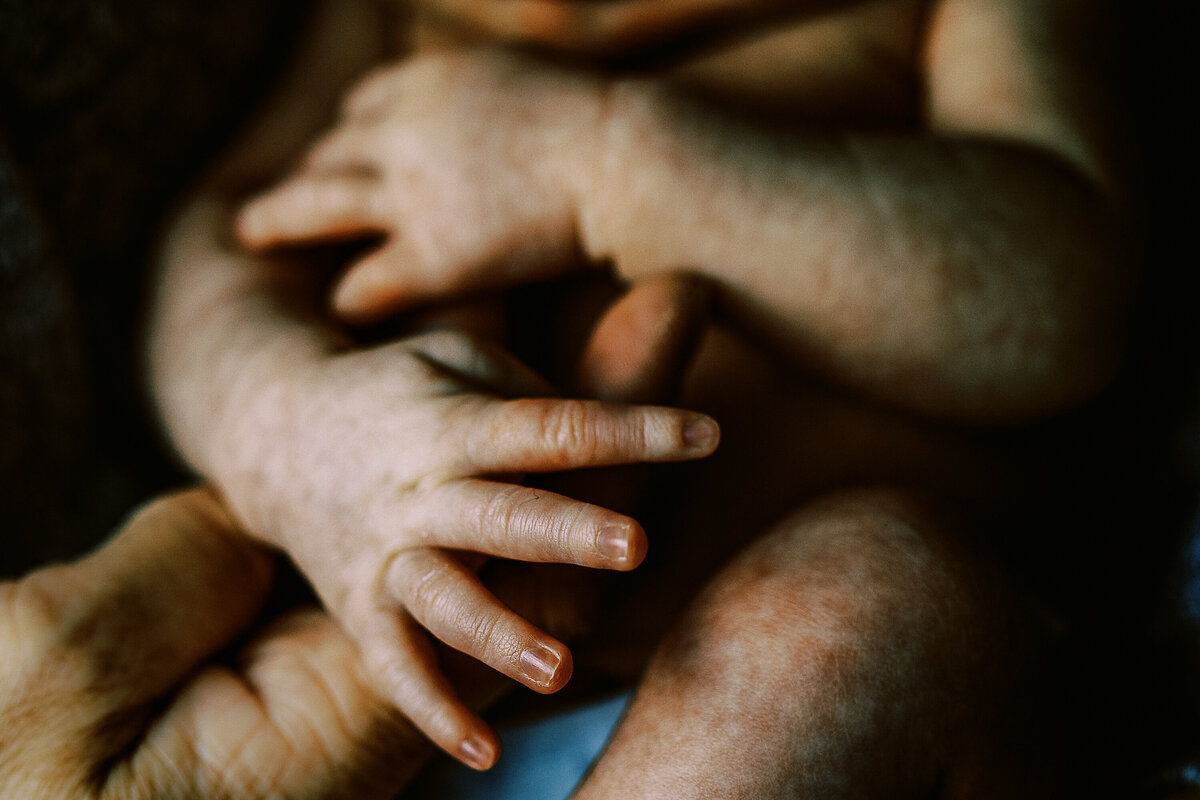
109,687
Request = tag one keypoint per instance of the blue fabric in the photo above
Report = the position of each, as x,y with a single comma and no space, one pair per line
545,758
1191,577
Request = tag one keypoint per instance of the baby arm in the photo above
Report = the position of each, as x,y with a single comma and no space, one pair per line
971,269
373,467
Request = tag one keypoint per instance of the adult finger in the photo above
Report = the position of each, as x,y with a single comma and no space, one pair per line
526,524
550,434
450,602
312,207
298,717
403,665
175,584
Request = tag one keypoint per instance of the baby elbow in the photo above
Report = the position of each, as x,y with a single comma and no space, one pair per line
1060,366
1079,368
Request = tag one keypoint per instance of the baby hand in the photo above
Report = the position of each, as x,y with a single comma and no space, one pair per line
378,469
469,163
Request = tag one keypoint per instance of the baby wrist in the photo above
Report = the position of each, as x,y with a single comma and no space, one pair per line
622,183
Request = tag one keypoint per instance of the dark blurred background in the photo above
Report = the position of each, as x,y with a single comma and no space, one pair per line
108,109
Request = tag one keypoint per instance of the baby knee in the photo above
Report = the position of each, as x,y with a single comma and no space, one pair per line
859,578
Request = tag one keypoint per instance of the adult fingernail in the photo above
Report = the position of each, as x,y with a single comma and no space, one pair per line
476,753
613,542
539,664
701,433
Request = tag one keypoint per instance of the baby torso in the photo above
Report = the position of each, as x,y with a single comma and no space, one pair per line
820,62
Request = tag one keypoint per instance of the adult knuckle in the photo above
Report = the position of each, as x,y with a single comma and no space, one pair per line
37,604
162,511
56,633
47,608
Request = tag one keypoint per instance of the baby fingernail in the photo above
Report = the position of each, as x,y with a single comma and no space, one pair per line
475,753
539,664
700,433
613,542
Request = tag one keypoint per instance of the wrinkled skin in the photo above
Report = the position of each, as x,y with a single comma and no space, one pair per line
109,687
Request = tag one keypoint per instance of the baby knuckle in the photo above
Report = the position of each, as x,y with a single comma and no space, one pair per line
573,529
483,629
441,724
430,588
568,428
407,691
498,516
641,430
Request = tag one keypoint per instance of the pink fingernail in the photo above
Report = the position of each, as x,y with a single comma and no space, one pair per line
700,434
613,542
539,664
475,753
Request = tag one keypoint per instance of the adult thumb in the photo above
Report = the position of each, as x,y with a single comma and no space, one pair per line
175,584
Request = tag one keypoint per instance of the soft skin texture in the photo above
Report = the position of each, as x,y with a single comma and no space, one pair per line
861,647
349,459
958,268
109,687
425,425
908,200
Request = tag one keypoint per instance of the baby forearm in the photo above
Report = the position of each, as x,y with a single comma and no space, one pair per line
956,276
224,325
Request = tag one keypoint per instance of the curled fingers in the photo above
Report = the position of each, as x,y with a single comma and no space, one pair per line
449,601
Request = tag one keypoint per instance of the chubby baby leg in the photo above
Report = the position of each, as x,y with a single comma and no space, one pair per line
861,648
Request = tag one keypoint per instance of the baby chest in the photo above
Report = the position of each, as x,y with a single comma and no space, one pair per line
832,61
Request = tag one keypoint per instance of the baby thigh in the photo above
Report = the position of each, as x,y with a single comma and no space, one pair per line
860,648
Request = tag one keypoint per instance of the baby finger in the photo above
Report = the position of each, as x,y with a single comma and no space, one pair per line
450,602
401,659
527,524
549,435
311,207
